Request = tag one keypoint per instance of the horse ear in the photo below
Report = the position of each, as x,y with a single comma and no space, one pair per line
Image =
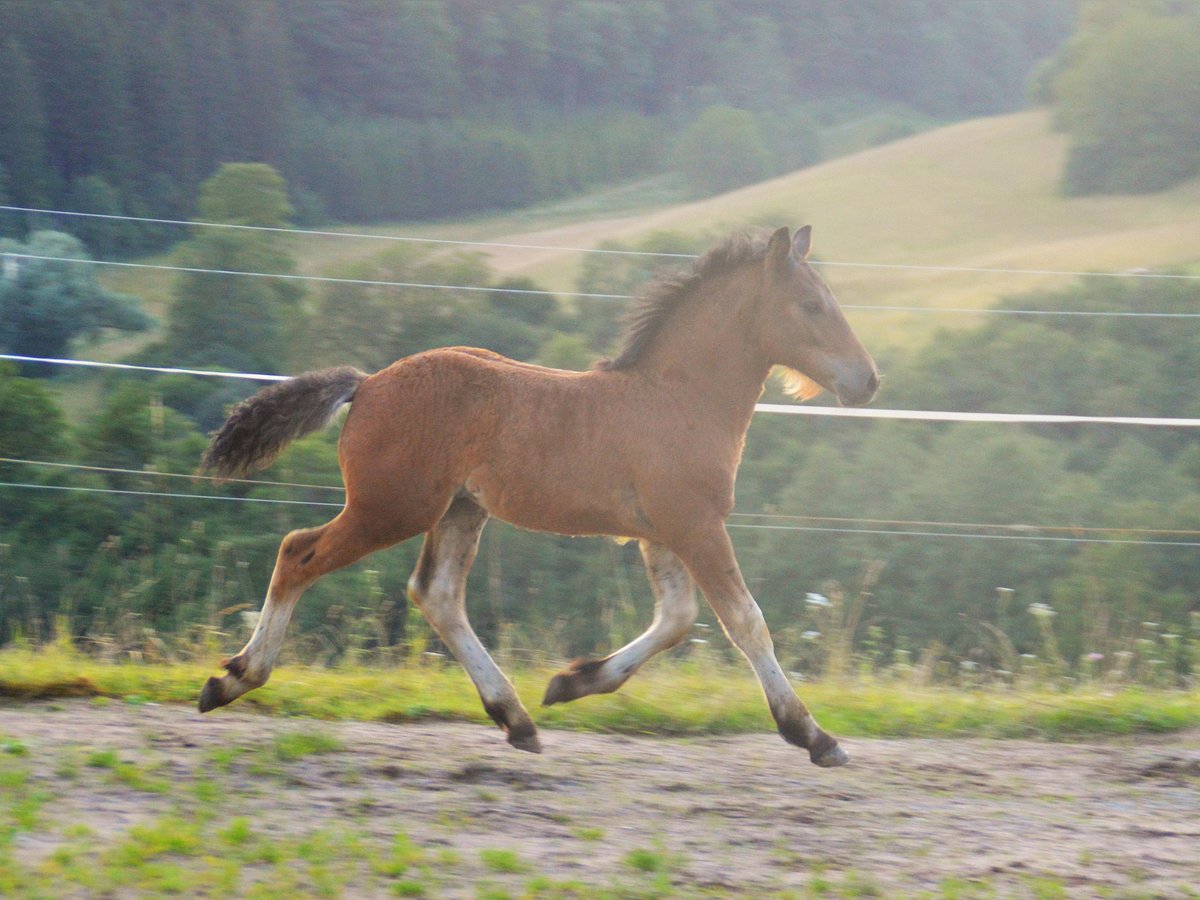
802,242
779,248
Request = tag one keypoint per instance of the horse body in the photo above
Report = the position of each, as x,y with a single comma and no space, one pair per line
645,446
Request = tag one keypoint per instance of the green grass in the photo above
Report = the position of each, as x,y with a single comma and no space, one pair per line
502,861
295,745
668,698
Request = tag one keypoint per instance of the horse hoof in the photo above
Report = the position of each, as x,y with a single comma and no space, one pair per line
212,695
577,680
527,741
832,758
561,689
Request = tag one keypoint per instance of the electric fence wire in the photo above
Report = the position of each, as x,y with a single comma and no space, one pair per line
1130,273
484,289
889,532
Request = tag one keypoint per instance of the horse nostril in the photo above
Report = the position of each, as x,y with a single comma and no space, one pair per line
873,382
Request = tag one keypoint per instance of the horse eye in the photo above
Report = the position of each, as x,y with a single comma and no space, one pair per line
812,307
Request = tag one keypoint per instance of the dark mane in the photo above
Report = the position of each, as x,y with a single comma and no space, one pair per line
658,299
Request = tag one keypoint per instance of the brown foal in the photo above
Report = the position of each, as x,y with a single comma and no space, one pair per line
643,446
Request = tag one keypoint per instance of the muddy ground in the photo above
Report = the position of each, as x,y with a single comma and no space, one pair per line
743,816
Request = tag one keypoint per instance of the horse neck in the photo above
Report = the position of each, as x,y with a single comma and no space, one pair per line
709,349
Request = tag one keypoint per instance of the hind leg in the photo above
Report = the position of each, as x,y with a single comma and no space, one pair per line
438,587
674,613
304,556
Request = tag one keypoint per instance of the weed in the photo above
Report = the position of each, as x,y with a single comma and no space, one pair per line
404,855
589,834
238,833
128,774
222,758
206,792
408,889
1047,888
502,861
294,745
104,759
139,779
645,860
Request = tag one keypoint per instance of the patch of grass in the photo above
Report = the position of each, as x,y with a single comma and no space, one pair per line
238,833
169,836
129,774
293,745
104,759
502,861
403,856
645,860
408,889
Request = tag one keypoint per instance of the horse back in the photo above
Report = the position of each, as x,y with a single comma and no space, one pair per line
546,449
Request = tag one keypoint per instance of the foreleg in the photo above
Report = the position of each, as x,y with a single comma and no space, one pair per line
711,561
674,612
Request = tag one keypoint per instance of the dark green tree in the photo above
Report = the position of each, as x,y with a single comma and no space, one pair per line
1130,101
722,150
23,136
236,321
44,303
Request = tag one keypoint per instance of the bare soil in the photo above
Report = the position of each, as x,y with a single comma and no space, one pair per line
729,816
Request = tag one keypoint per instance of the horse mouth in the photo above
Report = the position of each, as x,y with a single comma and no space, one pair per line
861,394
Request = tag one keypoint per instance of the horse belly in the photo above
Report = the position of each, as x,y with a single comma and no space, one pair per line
555,498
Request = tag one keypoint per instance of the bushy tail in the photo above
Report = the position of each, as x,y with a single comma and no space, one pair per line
259,428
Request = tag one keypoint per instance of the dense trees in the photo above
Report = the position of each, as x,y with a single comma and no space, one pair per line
165,563
388,109
1127,91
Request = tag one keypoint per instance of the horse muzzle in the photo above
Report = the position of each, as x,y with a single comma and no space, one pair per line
857,390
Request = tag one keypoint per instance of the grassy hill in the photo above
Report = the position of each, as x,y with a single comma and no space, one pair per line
982,193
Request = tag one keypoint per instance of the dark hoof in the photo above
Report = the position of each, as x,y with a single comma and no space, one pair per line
830,759
212,695
525,739
563,688
573,682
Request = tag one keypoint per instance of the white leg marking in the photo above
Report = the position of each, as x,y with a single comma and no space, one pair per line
439,587
674,612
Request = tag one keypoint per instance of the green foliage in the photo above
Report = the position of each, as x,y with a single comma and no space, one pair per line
1130,99
44,304
723,149
238,322
294,745
385,110
31,424
372,326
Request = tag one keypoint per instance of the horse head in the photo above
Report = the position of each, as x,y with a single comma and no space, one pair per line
805,331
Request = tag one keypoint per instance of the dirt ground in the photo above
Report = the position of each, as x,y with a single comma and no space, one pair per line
731,816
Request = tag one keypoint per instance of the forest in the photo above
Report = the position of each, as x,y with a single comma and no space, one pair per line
1071,547
380,110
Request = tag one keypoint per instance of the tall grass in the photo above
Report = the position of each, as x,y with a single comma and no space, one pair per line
701,695
856,682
